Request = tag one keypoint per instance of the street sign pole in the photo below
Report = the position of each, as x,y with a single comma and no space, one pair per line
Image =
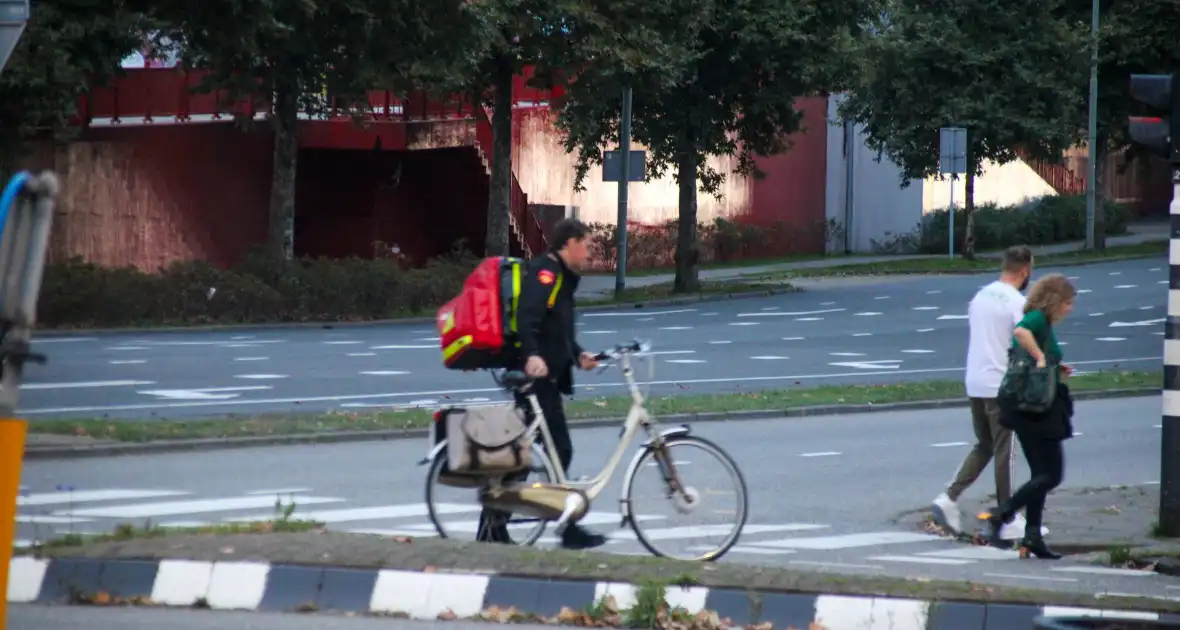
625,163
1170,432
14,14
26,214
1092,132
952,160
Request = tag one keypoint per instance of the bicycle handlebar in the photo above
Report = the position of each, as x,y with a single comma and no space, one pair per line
623,349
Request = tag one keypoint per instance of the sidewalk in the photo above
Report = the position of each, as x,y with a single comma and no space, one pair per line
598,286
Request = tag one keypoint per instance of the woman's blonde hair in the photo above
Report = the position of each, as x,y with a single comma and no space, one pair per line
1048,294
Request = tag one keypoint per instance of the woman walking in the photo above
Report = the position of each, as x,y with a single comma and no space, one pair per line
1049,302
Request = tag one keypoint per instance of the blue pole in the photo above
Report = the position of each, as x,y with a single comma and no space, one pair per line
8,198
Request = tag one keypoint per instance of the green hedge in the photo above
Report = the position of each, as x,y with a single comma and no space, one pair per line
1054,219
76,294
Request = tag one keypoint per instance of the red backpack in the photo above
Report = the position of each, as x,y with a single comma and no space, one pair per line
478,326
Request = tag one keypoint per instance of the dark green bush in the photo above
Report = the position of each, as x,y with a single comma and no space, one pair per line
1046,220
76,294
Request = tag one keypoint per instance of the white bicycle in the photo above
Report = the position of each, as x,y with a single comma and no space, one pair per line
670,452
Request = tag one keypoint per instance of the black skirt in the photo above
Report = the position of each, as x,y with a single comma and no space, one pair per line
1054,424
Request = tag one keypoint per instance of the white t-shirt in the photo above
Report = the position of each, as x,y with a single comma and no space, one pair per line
992,316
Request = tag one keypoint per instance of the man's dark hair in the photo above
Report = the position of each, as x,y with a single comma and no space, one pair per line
1016,258
564,230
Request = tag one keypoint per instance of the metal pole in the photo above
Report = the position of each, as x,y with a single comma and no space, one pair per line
1170,438
1092,162
625,165
950,216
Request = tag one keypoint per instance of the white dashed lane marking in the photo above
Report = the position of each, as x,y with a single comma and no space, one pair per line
129,362
769,358
820,454
918,351
925,308
743,323
676,328
925,330
342,343
867,314
948,444
686,361
952,317
362,354
1080,291
250,358
862,334
809,319
847,354
384,373
792,338
261,377
719,343
1125,286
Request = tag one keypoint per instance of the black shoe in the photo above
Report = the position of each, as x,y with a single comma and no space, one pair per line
995,521
1036,546
576,537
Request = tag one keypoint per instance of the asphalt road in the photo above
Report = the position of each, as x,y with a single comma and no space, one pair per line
836,331
33,617
823,491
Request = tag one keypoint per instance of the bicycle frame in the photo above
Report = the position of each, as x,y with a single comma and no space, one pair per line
637,416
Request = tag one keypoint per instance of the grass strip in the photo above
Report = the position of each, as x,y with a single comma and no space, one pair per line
583,407
960,265
323,548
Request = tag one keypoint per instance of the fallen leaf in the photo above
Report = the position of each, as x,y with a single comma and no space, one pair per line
447,615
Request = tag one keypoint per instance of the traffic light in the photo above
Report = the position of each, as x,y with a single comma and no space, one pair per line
1159,134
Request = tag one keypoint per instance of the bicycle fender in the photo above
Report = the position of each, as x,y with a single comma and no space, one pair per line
643,449
438,448
683,429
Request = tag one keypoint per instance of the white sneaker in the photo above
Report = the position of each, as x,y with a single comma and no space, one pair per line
1015,529
947,514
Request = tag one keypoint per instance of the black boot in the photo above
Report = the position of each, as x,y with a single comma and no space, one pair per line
996,519
1035,545
576,537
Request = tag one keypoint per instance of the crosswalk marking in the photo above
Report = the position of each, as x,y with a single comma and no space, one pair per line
848,541
61,509
673,533
919,560
367,513
170,508
88,496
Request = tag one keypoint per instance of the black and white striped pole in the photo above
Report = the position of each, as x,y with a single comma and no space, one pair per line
1169,523
1159,133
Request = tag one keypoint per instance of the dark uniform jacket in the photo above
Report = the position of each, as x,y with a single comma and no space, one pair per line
548,331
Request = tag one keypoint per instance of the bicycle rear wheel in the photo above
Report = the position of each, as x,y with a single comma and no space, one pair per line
454,511
702,467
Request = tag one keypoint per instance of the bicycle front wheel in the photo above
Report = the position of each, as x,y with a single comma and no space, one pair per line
714,492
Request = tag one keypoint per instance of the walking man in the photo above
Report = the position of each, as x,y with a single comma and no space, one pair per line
992,316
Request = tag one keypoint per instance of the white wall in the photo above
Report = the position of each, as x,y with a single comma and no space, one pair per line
880,206
1010,184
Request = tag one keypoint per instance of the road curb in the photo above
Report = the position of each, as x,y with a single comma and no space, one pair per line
266,587
50,333
211,444
784,277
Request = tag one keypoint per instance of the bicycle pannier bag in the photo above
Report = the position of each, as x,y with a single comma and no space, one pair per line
1027,387
489,440
478,326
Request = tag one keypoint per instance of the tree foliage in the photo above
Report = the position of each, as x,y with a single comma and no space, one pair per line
559,39
291,54
735,70
66,45
1008,71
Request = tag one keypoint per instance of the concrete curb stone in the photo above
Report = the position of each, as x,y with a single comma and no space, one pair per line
262,586
108,449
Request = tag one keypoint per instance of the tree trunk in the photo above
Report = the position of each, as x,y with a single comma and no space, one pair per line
969,212
687,247
1101,155
281,229
500,186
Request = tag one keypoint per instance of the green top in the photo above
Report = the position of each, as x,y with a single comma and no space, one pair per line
1036,323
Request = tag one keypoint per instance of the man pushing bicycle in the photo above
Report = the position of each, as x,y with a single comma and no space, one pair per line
548,351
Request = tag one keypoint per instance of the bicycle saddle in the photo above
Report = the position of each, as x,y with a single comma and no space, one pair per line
515,378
